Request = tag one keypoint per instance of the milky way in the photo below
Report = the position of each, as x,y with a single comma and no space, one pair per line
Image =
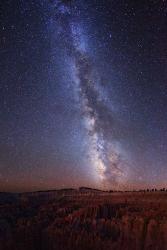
105,158
83,94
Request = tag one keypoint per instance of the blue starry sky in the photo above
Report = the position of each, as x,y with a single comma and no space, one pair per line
83,94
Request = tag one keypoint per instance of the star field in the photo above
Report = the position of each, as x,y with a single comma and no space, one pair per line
83,96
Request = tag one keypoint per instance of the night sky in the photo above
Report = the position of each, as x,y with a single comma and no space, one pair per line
83,94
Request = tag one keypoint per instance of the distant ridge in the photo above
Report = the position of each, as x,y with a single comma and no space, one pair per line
90,189
66,190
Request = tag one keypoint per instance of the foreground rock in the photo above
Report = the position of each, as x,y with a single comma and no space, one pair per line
84,220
